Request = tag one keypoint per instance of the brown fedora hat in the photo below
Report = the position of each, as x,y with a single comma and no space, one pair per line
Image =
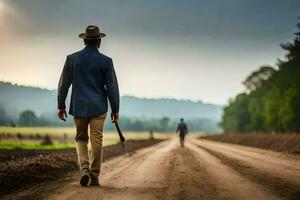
92,32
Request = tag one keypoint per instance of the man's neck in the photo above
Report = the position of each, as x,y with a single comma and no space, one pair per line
92,46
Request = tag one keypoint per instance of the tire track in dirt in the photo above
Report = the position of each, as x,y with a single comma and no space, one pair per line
280,185
286,164
229,183
164,171
188,179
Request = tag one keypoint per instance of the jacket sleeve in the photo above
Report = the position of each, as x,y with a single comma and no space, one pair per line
64,84
112,87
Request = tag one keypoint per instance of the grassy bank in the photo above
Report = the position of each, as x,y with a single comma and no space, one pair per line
288,143
62,137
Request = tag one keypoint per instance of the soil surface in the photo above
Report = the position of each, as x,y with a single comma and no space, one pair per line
23,171
201,170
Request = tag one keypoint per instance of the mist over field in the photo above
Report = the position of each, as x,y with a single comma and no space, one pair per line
16,99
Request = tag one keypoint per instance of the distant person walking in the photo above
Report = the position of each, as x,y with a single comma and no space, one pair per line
182,129
93,81
151,134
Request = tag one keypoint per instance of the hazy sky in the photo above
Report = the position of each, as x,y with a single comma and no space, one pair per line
192,49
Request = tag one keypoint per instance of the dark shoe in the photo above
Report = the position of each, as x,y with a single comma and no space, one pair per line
85,177
94,181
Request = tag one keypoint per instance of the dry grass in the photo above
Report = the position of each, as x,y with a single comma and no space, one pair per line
288,143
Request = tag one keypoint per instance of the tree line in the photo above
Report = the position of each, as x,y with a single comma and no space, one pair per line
28,118
271,102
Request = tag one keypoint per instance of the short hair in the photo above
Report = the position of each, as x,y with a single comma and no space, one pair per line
91,42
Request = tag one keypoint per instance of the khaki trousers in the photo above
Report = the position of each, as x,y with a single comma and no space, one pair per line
96,135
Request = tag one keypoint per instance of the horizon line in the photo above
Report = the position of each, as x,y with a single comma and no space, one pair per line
124,95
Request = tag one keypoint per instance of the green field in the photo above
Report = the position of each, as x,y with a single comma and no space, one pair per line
9,139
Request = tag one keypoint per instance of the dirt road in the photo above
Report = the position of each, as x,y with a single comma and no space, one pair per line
201,170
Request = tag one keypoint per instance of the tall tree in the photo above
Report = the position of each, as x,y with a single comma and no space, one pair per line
3,117
28,118
258,78
272,102
236,116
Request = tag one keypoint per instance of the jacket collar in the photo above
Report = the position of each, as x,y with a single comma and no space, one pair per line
91,48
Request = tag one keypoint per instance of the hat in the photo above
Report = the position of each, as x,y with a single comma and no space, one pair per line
92,32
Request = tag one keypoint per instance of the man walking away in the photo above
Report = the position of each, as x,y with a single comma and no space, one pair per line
183,130
93,81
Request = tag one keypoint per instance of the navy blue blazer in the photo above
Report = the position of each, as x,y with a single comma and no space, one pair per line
93,81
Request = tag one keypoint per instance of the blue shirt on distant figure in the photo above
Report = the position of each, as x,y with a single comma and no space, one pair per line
93,81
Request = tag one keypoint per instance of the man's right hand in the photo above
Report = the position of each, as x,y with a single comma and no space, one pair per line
62,114
114,117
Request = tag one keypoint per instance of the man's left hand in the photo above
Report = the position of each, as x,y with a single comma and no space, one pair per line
114,117
62,114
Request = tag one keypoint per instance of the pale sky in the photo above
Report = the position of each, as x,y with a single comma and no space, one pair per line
198,50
